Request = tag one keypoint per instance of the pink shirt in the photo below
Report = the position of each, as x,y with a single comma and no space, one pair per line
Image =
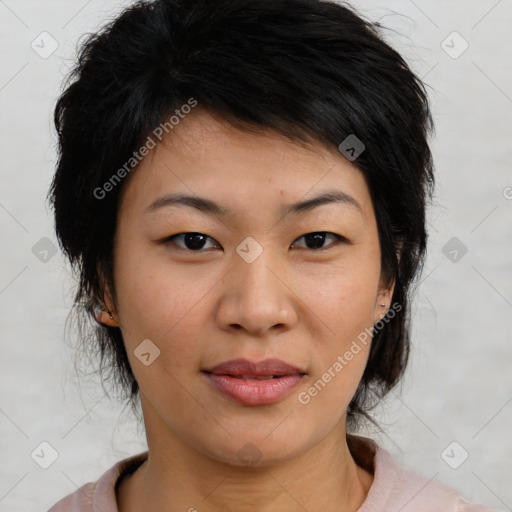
394,488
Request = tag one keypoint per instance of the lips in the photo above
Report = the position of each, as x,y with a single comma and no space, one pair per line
253,383
249,370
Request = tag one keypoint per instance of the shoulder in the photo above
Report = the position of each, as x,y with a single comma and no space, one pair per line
415,492
80,500
99,495
398,488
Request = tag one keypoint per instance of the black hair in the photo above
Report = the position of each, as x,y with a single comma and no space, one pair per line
314,71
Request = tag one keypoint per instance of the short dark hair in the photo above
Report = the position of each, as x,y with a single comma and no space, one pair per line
314,71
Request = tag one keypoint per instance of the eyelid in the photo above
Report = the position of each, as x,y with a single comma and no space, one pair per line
339,239
170,240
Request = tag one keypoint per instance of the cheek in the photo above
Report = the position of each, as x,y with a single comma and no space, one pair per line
151,300
160,304
342,343
152,293
343,300
342,294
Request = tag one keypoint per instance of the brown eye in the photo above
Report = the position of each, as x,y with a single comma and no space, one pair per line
191,241
316,239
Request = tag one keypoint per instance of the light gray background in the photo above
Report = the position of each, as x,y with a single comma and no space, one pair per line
459,385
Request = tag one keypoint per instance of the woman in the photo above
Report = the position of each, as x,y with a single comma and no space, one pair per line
242,187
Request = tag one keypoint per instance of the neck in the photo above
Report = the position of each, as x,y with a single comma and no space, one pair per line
175,477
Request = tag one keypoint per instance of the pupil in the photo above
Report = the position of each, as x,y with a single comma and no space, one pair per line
316,238
194,240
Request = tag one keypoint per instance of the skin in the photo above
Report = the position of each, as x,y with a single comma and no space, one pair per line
302,305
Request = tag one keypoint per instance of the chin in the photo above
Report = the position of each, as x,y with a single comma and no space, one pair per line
258,450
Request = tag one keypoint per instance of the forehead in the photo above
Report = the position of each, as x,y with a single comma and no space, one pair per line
204,155
203,134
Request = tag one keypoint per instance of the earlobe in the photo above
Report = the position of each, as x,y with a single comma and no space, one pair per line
383,302
105,317
104,311
381,309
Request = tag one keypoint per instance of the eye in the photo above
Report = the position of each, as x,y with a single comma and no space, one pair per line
317,238
193,241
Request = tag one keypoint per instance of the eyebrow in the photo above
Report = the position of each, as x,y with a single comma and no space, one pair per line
208,206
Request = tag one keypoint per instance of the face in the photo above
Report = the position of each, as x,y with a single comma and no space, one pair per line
257,279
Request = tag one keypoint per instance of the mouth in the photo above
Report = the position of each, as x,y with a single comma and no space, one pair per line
250,383
246,369
253,377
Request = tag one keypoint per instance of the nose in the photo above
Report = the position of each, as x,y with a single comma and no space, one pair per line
256,297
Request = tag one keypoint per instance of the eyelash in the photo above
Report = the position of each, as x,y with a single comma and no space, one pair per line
339,239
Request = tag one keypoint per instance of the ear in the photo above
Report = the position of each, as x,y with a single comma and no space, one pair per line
383,301
385,294
106,309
